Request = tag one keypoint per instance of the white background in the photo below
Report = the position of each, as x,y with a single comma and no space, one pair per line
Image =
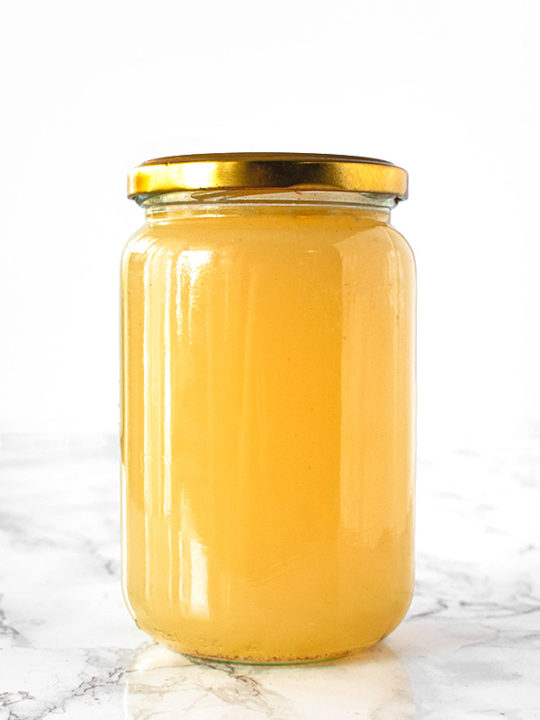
448,90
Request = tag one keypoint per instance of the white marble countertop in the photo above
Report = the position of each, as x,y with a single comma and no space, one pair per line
469,648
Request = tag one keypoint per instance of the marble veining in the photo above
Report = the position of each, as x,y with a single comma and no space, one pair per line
468,649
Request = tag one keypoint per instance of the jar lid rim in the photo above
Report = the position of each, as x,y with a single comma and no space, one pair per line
301,171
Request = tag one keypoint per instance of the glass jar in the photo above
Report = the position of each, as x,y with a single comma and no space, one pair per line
268,406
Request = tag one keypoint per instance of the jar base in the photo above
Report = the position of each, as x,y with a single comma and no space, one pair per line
269,662
172,643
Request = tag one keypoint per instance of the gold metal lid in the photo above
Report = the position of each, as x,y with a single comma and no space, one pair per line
301,171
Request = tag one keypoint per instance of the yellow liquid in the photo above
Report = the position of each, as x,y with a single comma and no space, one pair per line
268,450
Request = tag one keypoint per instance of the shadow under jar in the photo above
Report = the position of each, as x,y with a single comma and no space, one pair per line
268,322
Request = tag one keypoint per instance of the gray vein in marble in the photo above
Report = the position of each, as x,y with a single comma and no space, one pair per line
247,691
8,631
15,528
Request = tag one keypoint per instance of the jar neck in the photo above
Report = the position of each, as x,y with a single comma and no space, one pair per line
165,207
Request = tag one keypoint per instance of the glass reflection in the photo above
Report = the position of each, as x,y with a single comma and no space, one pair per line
165,684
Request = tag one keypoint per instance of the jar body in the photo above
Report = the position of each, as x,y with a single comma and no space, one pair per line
268,429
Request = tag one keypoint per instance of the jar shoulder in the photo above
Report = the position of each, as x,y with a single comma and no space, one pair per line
138,241
330,227
401,242
336,238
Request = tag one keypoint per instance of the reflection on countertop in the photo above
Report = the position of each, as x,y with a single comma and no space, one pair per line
374,684
469,648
